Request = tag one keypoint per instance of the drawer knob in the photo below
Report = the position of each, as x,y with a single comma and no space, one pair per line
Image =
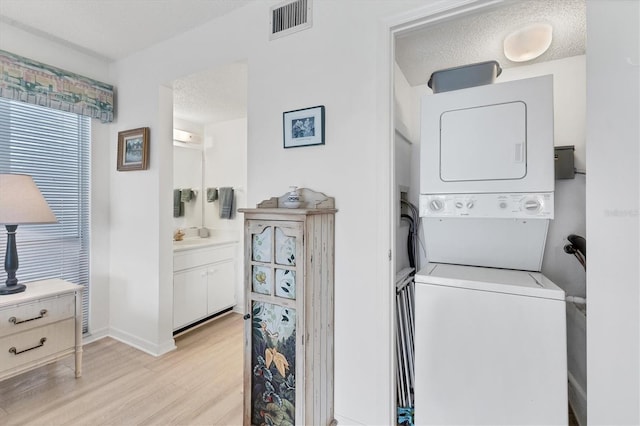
13,350
15,321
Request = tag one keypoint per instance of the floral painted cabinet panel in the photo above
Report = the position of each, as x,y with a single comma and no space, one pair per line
289,327
275,249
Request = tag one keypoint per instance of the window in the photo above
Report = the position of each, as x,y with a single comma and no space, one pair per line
54,148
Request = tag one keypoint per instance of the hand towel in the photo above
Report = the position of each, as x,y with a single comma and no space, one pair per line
212,194
226,202
186,195
178,206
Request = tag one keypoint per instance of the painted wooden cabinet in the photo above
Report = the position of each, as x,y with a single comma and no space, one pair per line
289,279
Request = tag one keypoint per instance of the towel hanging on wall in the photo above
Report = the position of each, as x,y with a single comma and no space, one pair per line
226,202
178,205
186,194
212,194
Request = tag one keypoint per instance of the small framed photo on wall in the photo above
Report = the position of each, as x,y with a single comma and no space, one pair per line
303,127
133,149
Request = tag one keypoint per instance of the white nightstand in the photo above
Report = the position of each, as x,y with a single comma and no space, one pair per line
39,326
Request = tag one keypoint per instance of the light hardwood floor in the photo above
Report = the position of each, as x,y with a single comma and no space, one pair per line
200,383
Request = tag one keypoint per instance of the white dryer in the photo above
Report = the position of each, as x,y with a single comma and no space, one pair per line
490,347
487,174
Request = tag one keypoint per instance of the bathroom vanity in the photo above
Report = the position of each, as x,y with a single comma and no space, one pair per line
204,278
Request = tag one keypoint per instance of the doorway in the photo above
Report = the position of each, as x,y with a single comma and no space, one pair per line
432,39
210,152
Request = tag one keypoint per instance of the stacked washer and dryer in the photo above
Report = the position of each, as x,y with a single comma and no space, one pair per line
490,344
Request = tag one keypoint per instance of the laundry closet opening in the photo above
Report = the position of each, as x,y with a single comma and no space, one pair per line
470,37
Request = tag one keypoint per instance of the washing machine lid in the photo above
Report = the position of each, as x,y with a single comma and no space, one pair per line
508,281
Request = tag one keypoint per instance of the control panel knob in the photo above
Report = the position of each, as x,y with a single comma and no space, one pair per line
459,205
470,204
532,205
436,205
503,205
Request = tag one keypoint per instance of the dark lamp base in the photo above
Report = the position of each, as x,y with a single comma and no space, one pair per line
18,288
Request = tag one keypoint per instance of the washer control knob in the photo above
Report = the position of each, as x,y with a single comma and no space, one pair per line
470,204
459,204
436,205
532,205
503,205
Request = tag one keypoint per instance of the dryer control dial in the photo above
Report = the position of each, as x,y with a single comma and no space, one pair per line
532,205
436,205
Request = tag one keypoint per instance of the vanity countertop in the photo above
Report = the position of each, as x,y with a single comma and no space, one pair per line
214,239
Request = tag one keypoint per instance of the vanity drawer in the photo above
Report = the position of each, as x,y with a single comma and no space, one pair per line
198,257
22,317
37,344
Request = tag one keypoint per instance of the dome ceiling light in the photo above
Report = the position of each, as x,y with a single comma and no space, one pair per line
528,42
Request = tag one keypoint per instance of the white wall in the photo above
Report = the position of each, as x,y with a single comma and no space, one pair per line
613,133
43,50
334,66
407,141
226,165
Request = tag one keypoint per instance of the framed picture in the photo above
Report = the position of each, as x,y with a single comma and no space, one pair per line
303,127
133,149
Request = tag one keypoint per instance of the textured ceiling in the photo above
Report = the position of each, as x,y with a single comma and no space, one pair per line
478,37
112,29
212,96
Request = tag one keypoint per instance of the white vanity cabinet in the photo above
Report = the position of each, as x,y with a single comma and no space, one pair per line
204,282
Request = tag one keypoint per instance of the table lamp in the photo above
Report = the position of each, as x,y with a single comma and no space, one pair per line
20,203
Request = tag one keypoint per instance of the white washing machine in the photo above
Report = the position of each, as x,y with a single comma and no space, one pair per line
490,347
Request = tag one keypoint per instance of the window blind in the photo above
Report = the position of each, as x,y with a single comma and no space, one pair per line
54,148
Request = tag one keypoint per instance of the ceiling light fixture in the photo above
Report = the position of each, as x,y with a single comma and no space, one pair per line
528,43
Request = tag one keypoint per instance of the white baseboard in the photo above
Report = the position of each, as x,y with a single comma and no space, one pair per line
142,344
342,421
95,335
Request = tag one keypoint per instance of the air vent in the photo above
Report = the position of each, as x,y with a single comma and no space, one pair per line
290,17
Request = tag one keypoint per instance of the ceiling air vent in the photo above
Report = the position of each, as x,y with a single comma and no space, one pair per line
290,17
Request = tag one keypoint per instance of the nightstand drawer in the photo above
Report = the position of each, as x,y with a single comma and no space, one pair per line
37,344
22,317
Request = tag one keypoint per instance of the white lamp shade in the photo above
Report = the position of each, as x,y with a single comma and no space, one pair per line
22,202
528,43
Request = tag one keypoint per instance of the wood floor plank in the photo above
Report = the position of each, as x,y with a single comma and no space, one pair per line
198,383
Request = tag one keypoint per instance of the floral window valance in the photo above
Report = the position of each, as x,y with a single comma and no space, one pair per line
22,79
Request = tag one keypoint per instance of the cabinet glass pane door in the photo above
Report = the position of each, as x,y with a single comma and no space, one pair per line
261,244
273,384
273,260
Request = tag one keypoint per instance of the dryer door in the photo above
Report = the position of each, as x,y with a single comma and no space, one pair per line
484,143
488,139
